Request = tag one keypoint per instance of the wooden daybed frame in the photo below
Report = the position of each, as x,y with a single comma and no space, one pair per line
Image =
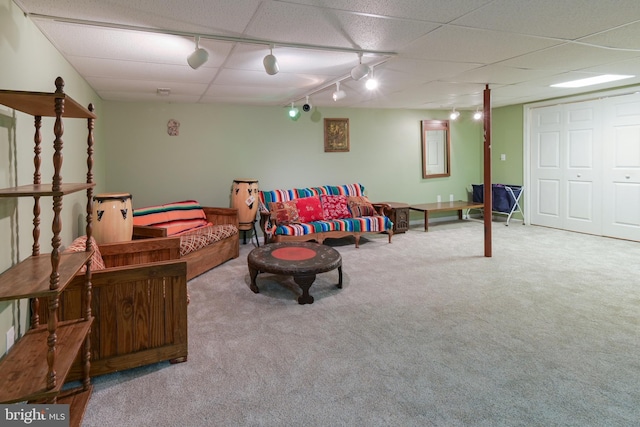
210,256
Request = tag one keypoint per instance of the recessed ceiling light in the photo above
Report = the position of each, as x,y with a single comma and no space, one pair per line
593,80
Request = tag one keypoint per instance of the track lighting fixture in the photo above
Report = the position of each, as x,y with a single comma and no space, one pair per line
198,56
454,114
478,114
294,113
306,107
361,70
372,82
339,94
271,63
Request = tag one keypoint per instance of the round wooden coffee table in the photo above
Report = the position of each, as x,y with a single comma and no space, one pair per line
302,260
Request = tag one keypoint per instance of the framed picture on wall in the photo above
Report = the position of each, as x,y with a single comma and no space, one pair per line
336,135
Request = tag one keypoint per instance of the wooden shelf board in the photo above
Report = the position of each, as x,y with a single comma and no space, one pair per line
24,369
30,278
43,190
43,104
78,400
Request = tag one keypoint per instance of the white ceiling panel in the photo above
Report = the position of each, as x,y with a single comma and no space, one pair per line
564,19
460,44
335,28
440,53
569,57
428,11
625,37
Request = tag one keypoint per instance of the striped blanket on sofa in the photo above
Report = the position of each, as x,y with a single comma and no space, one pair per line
315,213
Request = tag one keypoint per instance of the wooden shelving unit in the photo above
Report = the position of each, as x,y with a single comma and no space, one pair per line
35,368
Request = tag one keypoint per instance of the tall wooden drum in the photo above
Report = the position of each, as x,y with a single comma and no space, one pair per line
112,217
244,197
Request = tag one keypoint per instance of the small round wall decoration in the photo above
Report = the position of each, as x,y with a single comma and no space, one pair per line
173,127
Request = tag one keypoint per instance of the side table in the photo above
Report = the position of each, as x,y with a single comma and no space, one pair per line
399,216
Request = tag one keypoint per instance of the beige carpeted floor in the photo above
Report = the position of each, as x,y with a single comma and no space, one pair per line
425,332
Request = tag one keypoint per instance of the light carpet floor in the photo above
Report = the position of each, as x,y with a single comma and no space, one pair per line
425,332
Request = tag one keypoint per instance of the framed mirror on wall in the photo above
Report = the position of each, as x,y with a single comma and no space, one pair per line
436,150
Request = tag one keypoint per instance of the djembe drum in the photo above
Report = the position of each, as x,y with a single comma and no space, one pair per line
244,197
112,217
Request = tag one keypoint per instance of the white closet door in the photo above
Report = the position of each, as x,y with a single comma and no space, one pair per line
565,187
621,156
546,191
583,167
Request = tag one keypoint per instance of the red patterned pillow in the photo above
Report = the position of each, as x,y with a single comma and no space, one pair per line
360,206
284,213
335,207
80,245
310,209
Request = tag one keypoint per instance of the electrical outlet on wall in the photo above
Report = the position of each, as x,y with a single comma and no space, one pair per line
11,337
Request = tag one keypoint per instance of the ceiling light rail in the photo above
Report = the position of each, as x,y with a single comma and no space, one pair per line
219,37
334,82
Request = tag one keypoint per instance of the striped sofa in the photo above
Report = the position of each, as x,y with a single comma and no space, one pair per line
318,213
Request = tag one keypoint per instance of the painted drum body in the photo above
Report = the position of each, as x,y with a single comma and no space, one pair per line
112,217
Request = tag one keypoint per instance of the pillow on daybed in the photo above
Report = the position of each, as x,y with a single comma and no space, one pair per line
176,217
80,245
193,240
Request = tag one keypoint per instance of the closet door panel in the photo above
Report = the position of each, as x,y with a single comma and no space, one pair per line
582,170
546,190
622,168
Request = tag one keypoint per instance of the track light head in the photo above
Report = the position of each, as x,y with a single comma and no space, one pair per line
372,82
454,114
306,107
478,114
294,113
339,94
198,57
271,63
361,70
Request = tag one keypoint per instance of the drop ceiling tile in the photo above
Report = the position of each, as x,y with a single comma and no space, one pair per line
567,19
281,80
569,57
424,70
148,86
498,74
334,27
129,70
625,37
430,11
196,16
457,44
629,66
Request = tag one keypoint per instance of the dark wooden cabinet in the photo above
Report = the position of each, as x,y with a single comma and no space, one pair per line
399,215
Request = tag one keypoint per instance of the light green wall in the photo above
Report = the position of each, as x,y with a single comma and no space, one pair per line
506,138
218,144
30,62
